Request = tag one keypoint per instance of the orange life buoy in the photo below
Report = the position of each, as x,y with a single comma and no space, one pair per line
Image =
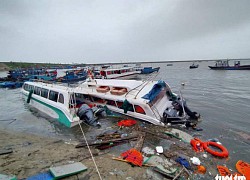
224,153
197,144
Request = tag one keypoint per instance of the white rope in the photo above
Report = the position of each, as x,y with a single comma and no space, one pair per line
86,139
90,151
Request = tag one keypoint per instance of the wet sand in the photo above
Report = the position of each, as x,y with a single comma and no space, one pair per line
33,154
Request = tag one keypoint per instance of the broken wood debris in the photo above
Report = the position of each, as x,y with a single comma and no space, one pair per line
134,137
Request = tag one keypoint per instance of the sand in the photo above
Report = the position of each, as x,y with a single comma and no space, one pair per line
33,154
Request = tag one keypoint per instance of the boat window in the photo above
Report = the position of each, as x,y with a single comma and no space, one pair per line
30,88
99,100
128,106
159,96
25,87
37,90
53,95
44,93
119,104
61,98
110,102
139,109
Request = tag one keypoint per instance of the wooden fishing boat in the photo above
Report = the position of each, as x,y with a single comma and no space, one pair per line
224,65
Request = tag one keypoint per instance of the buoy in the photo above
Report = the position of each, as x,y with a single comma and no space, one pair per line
197,144
224,152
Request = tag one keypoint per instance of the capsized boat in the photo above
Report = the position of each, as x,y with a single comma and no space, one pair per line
152,101
224,65
59,102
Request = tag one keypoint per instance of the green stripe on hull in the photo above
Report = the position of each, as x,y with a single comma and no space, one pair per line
62,117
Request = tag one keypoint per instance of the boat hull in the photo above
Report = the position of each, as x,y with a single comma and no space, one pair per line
246,67
149,70
54,112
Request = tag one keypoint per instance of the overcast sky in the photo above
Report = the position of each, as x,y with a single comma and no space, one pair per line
90,31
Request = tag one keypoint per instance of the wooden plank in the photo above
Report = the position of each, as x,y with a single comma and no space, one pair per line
106,142
140,142
124,160
159,135
67,170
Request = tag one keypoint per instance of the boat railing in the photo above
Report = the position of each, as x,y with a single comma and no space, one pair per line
150,78
43,81
72,103
155,112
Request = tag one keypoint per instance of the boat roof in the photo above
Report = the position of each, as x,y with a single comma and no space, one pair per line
134,87
51,86
113,69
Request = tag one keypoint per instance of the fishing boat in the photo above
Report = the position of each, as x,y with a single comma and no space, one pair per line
11,85
193,66
224,65
73,76
152,101
124,72
148,70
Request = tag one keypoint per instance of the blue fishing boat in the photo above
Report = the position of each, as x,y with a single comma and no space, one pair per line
47,76
73,76
148,70
11,85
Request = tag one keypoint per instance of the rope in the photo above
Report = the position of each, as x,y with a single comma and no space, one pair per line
90,151
73,96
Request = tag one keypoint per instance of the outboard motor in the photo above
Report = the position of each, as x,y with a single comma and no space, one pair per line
87,114
178,103
99,111
174,114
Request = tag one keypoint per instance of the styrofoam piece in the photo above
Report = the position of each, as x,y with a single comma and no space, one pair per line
67,170
159,149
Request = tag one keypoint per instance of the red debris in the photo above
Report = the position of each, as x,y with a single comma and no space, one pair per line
133,156
127,122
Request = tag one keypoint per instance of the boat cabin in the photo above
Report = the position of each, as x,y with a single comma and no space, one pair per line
222,63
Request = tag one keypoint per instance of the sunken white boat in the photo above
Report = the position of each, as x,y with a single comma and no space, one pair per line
152,101
53,100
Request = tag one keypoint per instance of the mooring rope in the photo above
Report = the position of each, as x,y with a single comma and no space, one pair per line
90,150
74,101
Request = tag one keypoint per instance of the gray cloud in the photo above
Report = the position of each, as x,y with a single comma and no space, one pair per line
115,31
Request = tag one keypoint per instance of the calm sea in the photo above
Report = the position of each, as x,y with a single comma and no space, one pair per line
221,97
